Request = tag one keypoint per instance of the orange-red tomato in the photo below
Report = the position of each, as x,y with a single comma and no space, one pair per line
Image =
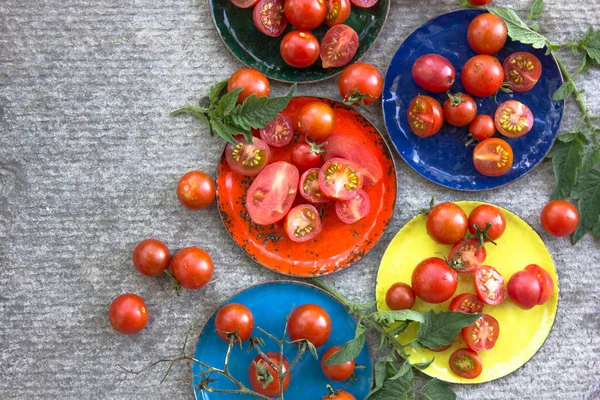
361,77
493,157
196,190
315,120
151,257
513,119
192,267
559,218
487,34
425,116
251,81
128,314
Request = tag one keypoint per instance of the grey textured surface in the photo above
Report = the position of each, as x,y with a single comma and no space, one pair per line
89,161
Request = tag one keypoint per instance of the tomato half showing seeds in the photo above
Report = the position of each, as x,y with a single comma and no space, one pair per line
192,267
272,193
482,75
128,314
482,334
546,282
258,380
489,285
196,190
446,223
302,223
340,145
493,157
466,256
299,49
151,257
310,322
524,289
338,46
234,320
315,120
351,211
400,296
486,214
309,187
522,70
434,281
364,3
244,3
513,119
482,127
466,303
360,84
466,363
250,81
425,116
305,14
269,17
433,73
559,218
340,179
487,34
247,159
459,109
278,132
339,372
338,11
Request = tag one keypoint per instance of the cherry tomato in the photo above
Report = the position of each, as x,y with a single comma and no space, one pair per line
307,155
493,157
338,11
546,282
425,116
482,334
244,3
364,3
128,314
340,145
340,179
559,218
151,257
234,319
309,187
400,296
466,256
522,70
257,381
305,14
248,159
338,395
513,119
299,49
269,17
302,223
466,303
272,193
192,267
339,372
459,109
434,281
338,46
524,289
433,73
480,2
487,34
250,81
447,223
486,214
482,75
466,363
489,285
351,211
310,322
315,120
360,84
482,127
196,190
278,132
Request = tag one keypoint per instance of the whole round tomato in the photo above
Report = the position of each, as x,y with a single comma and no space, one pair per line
310,322
299,49
338,12
425,116
305,14
364,3
247,158
447,223
128,314
466,303
351,211
315,120
192,267
341,145
486,214
360,84
482,75
307,155
338,46
433,73
234,320
258,380
244,3
522,70
482,127
340,179
278,132
466,256
338,395
302,223
196,190
489,285
459,109
493,157
269,17
482,334
338,372
487,34
151,257
400,296
524,289
434,281
309,187
513,119
546,282
480,2
250,81
466,363
559,218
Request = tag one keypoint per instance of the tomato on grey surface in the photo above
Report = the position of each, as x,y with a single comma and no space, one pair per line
302,223
353,210
247,158
340,179
196,190
250,81
340,145
151,257
433,73
559,218
192,267
128,314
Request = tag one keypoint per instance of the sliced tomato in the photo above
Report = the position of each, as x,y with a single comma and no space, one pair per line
302,223
466,303
364,3
425,116
340,145
338,46
272,193
340,179
269,17
244,3
309,187
489,285
513,119
351,211
546,282
522,70
493,157
466,363
247,159
466,256
338,11
481,334
278,132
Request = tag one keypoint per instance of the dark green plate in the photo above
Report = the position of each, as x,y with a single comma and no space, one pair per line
261,52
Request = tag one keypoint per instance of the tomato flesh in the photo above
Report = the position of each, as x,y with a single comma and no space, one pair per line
433,73
302,223
425,116
493,157
364,3
340,145
466,363
351,211
269,17
278,132
522,70
299,49
489,285
248,159
338,11
513,119
467,303
545,280
338,46
309,187
482,334
244,3
466,256
340,179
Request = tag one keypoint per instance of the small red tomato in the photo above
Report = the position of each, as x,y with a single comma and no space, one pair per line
466,256
234,319
250,81
493,157
338,372
434,281
310,322
299,49
247,158
338,395
489,285
486,214
196,190
433,73
353,210
364,3
459,109
466,363
480,2
315,120
244,3
400,296
338,46
338,12
340,179
482,334
151,257
302,223
278,132
360,84
513,119
269,17
259,382
524,289
307,155
482,75
447,223
309,187
487,34
522,70
559,218
128,314
546,282
425,116
192,267
305,14
482,127
466,303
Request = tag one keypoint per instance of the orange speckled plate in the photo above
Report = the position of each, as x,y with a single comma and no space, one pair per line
339,245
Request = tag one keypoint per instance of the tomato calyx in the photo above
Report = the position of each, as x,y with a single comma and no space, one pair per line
356,97
482,234
426,211
315,147
176,284
455,99
332,393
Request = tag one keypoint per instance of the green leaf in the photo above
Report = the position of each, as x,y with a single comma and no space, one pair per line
568,136
354,307
467,4
591,158
227,102
392,390
536,10
518,30
435,389
587,192
222,130
566,162
255,112
390,317
591,44
440,329
215,90
586,63
424,365
596,230
564,91
349,352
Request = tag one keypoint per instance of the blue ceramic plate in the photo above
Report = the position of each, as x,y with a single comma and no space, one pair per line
270,303
443,158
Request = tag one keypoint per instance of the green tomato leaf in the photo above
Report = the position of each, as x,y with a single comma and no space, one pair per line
435,389
227,103
392,390
424,365
568,136
215,90
596,230
536,10
566,162
518,30
587,192
467,4
390,317
586,63
440,329
349,352
591,158
591,44
255,112
564,91
222,130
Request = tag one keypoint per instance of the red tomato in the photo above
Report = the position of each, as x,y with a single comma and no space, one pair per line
307,155
305,14
151,257
524,289
299,49
513,119
338,11
466,363
244,3
522,70
546,282
425,116
192,267
466,303
466,256
493,157
443,348
434,281
480,2
269,17
482,334
196,190
339,372
487,34
489,285
351,211
251,81
459,109
447,223
257,381
338,46
338,395
400,296
486,214
315,120
309,187
360,84
364,3
278,132
340,145
272,193
128,314
247,159
433,73
234,319
340,179
482,127
559,218
482,75
302,223
310,322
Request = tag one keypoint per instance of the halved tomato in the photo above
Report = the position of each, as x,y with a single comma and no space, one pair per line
340,145
546,282
338,11
493,157
340,179
466,363
303,223
338,46
522,70
278,132
466,303
244,3
309,187
364,3
513,119
351,211
489,285
269,17
481,334
272,193
425,116
466,256
245,158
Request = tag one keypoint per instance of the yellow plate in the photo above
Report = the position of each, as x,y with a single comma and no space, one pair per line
522,332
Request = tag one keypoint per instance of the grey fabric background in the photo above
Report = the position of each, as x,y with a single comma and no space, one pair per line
89,161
